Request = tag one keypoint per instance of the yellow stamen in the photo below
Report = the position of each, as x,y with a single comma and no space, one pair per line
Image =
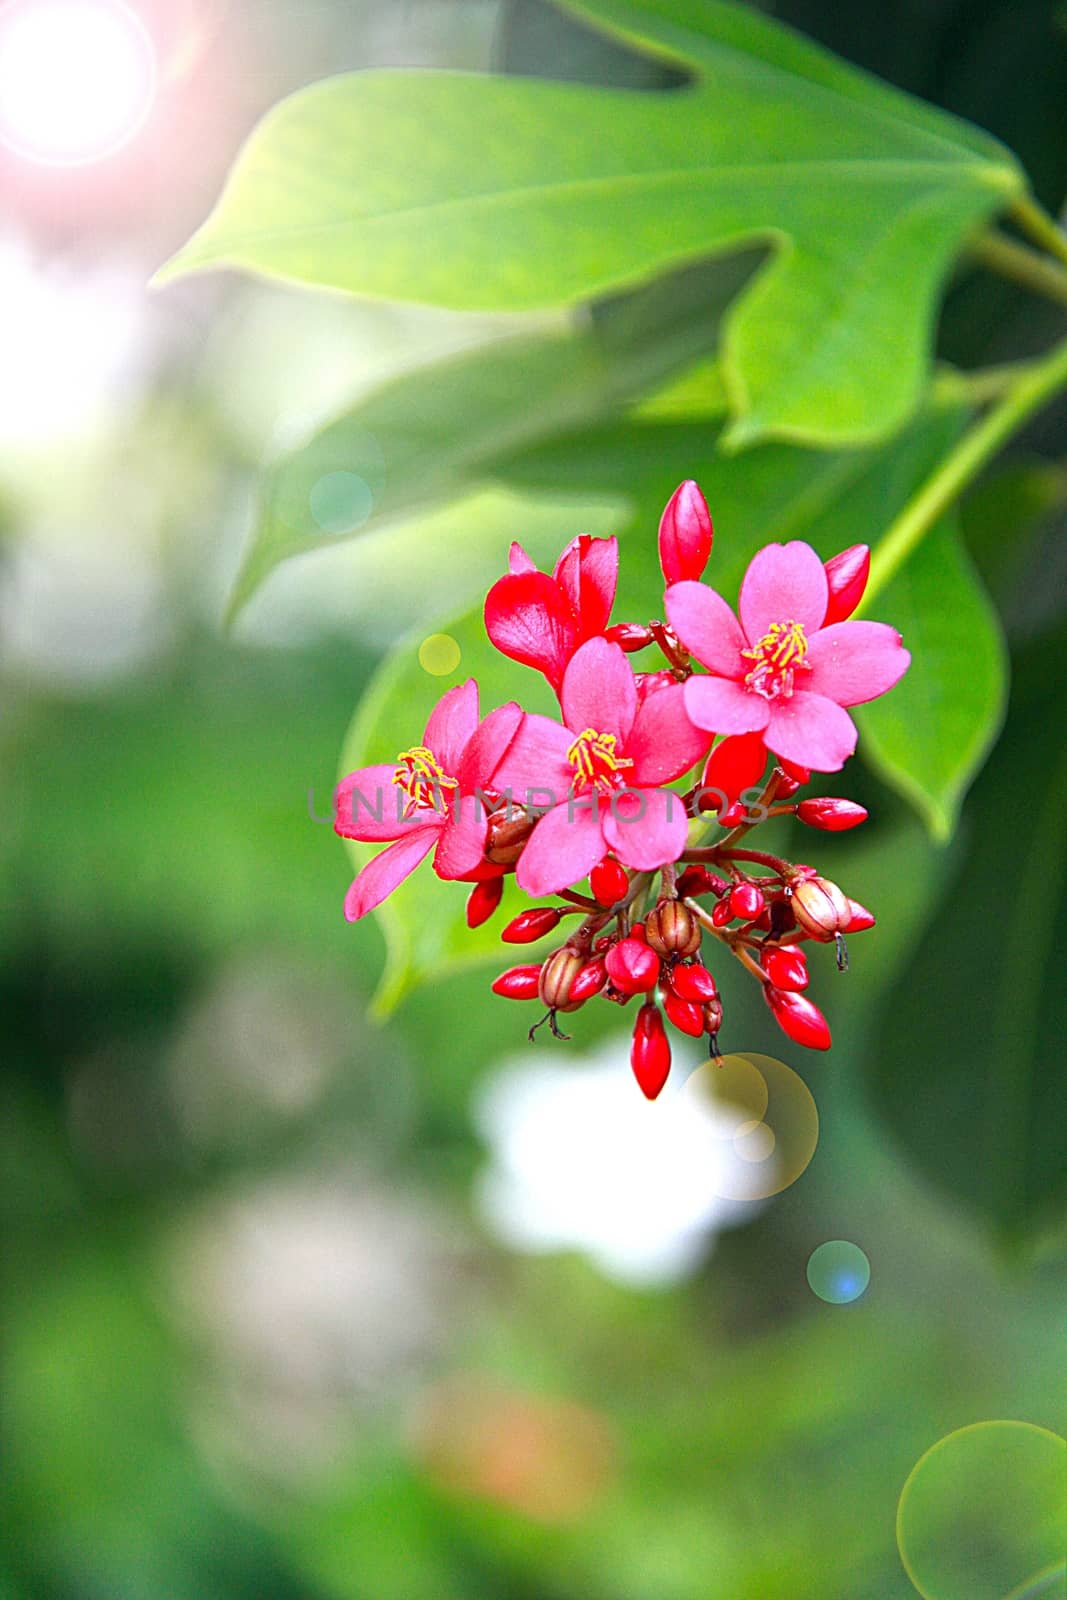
422,778
778,657
596,766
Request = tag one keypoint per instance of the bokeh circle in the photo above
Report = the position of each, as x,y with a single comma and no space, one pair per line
439,655
980,1516
768,1122
838,1272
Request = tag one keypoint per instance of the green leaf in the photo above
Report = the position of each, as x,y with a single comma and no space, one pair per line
774,492
514,193
433,435
972,1086
931,735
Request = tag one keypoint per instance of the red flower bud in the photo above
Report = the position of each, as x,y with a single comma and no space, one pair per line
650,1053
846,577
696,881
735,764
798,1017
786,787
787,968
721,913
629,636
637,931
531,925
590,980
859,918
794,770
746,901
672,929
557,978
833,816
483,900
685,534
821,908
609,881
686,1015
693,983
733,816
518,983
632,967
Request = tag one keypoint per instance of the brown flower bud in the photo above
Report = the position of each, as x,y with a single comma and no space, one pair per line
506,834
821,908
672,930
557,976
712,1016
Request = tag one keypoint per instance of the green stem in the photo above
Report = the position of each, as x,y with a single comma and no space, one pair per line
979,444
1033,220
1026,267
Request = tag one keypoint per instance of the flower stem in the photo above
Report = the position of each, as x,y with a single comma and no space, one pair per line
1024,266
979,444
1034,220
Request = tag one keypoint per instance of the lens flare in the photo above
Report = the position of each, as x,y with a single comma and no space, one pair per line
77,79
767,1120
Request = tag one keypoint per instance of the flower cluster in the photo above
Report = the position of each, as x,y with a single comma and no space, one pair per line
599,811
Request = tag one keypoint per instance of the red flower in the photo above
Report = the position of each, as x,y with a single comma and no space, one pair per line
601,773
431,796
781,671
541,620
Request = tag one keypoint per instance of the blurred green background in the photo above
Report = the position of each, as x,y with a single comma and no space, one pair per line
263,1336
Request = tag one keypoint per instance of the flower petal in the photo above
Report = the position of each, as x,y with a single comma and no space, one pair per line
812,730
599,690
518,560
563,848
707,627
461,838
528,619
588,572
646,827
853,662
663,743
721,706
784,583
534,769
735,764
367,804
452,724
388,869
487,746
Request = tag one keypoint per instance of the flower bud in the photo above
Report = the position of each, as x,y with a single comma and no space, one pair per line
650,1053
798,1017
518,983
721,913
846,579
787,968
672,929
794,770
786,787
629,636
557,978
833,816
859,919
590,980
696,881
632,967
483,900
531,925
712,1016
609,881
746,901
506,834
736,764
686,1015
693,983
821,908
733,816
685,534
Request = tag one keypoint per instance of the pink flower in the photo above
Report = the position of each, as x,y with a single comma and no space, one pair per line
430,799
601,773
541,620
782,671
